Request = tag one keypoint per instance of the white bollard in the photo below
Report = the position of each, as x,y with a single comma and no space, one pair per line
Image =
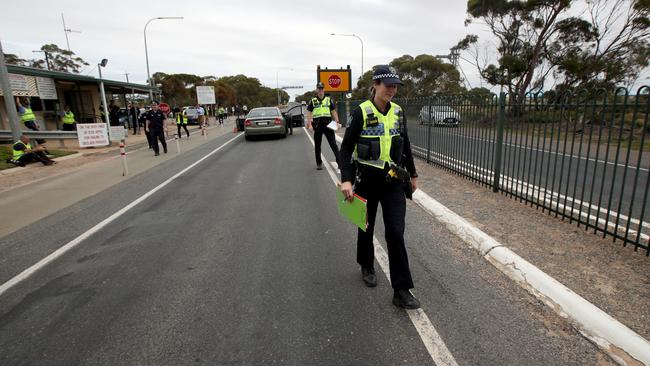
125,168
178,144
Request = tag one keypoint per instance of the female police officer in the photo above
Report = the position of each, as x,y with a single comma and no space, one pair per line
378,143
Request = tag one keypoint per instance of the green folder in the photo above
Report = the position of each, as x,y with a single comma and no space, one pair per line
355,211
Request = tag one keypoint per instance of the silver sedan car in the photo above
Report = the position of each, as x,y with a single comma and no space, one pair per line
265,121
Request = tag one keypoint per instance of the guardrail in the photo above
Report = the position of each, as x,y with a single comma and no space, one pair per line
61,136
584,156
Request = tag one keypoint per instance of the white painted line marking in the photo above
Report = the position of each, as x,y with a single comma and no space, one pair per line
432,341
62,250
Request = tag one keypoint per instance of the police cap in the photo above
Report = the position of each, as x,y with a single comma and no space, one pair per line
386,74
320,85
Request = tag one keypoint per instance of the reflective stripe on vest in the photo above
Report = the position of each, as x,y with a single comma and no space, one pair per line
68,118
178,119
387,126
321,108
18,153
28,115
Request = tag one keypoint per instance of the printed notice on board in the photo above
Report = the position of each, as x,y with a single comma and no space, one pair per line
92,134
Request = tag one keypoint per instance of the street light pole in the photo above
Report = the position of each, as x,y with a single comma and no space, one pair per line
146,53
277,83
360,40
101,89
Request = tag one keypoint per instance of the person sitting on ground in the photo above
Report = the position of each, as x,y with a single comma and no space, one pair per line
23,153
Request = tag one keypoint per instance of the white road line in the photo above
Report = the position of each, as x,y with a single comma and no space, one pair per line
432,341
553,152
73,243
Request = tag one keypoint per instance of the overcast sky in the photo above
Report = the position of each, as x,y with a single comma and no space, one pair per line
262,39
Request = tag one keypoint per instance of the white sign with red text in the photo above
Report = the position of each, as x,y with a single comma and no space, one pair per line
92,134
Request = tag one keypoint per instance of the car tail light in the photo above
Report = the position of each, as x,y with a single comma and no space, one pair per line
278,121
248,122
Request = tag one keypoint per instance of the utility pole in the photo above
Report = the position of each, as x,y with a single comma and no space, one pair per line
10,105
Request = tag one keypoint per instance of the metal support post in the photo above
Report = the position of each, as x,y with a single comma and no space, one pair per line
498,147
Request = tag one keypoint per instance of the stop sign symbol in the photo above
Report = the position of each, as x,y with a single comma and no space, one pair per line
334,81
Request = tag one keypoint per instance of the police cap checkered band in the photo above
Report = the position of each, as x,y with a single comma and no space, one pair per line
386,74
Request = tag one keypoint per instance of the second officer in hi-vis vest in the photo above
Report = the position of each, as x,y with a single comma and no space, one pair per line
181,121
321,110
377,164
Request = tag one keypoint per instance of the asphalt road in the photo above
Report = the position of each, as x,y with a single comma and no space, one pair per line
602,183
245,260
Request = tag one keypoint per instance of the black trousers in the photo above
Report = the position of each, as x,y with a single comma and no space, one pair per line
179,130
69,127
393,206
34,156
158,134
320,130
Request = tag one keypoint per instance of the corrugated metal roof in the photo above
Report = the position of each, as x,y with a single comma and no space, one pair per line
66,76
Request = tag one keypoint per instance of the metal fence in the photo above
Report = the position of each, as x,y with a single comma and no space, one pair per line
581,156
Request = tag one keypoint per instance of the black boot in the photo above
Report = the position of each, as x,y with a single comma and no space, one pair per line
405,299
368,276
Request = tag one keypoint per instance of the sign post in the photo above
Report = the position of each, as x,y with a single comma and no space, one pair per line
335,80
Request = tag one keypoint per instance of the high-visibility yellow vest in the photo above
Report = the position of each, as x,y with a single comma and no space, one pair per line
178,118
28,115
321,108
18,153
68,118
385,128
222,111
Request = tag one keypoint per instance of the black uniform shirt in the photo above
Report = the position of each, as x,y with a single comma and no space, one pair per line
351,138
325,120
156,119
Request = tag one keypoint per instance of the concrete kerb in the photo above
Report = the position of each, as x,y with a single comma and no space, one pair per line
621,343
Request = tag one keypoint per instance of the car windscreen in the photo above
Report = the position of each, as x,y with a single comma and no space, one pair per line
263,112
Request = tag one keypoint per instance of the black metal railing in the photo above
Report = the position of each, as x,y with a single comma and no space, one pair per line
582,156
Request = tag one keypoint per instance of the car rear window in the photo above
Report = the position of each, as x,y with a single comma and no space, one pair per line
263,112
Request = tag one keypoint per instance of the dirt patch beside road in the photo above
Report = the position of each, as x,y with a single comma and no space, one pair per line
612,277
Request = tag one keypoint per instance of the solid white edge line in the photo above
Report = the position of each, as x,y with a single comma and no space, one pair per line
73,243
620,342
430,337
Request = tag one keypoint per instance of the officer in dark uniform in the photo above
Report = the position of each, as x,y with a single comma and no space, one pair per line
155,125
383,172
320,111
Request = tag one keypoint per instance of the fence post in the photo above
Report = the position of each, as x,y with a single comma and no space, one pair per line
428,130
498,147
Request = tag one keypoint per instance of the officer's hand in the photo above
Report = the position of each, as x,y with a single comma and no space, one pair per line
414,184
346,189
